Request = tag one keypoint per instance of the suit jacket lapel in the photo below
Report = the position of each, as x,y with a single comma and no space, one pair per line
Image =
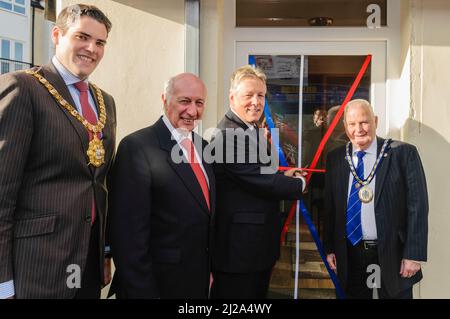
382,169
183,170
212,187
343,176
232,117
107,130
51,74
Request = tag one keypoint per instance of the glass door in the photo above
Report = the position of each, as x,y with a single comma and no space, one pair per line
304,93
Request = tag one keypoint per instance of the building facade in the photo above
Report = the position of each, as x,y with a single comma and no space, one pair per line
310,67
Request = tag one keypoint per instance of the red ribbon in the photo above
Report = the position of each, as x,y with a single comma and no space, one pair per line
325,140
312,170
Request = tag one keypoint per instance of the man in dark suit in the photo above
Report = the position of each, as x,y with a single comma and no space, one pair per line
376,210
248,221
57,143
162,202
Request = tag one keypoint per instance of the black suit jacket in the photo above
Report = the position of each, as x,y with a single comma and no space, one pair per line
159,220
248,221
46,186
401,212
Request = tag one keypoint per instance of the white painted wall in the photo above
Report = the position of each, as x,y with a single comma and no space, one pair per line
428,127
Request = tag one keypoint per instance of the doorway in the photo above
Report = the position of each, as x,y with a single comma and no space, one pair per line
305,89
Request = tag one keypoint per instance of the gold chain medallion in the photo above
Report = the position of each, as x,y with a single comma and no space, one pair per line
96,151
365,194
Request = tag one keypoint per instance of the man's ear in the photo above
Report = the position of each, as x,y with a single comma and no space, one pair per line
56,33
231,99
164,100
376,121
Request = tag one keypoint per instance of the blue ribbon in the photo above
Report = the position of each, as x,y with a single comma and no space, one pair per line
274,133
312,229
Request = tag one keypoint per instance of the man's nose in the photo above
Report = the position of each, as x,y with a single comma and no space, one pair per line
192,109
92,46
255,99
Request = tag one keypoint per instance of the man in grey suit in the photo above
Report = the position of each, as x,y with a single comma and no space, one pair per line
376,201
57,134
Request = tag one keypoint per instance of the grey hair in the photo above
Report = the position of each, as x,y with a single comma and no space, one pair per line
168,88
364,103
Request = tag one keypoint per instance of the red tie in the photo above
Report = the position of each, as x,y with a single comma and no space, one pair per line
89,115
86,108
196,168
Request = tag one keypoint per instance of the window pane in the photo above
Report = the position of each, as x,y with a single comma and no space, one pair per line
22,2
19,9
5,49
4,67
5,5
283,85
18,51
306,13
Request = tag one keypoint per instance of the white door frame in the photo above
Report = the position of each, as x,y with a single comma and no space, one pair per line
376,48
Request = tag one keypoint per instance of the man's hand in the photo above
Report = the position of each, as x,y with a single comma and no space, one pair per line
295,172
107,271
409,268
331,259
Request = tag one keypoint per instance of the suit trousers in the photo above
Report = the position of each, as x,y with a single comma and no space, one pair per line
90,280
359,258
252,285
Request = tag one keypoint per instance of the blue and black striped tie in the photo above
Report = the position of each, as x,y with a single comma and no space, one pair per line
353,226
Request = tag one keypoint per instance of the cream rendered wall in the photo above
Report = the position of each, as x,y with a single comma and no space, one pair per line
145,48
428,127
43,45
211,68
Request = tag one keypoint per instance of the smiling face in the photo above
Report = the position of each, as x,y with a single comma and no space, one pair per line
185,104
248,99
360,125
80,48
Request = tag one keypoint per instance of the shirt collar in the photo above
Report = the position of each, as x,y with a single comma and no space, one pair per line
176,133
250,126
67,76
372,149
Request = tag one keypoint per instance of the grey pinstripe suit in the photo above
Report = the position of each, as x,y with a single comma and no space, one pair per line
46,186
401,213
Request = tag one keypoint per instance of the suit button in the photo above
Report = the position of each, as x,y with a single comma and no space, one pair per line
87,219
207,250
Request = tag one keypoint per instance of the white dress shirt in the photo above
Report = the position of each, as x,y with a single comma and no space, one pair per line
368,224
70,80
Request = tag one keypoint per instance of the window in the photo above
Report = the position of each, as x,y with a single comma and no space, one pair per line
13,5
11,56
